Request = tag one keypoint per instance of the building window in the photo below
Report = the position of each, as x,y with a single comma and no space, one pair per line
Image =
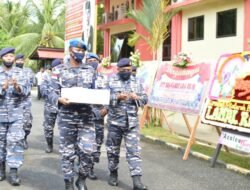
226,23
120,47
166,49
196,28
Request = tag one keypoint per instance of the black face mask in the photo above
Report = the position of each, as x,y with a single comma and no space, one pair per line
78,57
8,64
19,65
124,75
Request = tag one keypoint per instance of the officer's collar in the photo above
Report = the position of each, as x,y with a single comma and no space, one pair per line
12,68
83,65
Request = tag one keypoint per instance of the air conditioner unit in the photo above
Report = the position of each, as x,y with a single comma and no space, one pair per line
177,1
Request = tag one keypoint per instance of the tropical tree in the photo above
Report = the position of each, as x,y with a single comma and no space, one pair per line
13,17
45,27
155,19
4,42
100,38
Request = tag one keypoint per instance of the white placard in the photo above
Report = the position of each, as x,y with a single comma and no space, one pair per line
236,141
86,96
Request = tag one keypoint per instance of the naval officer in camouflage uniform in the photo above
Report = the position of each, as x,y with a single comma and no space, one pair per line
13,87
99,111
75,121
27,115
126,96
50,110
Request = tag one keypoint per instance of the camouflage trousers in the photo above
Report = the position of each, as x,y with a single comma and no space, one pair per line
49,123
27,120
11,143
99,133
133,149
77,140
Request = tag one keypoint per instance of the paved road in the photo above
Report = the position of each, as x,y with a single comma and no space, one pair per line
164,169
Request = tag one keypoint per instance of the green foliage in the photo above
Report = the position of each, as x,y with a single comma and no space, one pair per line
4,42
135,58
36,23
156,24
100,37
13,17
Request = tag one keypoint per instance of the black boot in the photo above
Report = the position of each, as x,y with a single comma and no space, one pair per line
69,184
49,148
25,142
96,159
81,182
13,177
2,171
91,174
113,178
138,184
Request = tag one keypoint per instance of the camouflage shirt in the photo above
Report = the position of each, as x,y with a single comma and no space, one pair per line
30,78
44,87
11,107
66,76
101,82
124,112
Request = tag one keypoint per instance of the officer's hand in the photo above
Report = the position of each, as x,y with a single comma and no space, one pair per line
122,96
16,86
5,85
64,101
103,112
134,96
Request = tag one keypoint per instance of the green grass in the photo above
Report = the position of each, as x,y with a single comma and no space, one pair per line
227,157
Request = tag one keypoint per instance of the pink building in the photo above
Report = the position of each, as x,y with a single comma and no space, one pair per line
209,28
204,28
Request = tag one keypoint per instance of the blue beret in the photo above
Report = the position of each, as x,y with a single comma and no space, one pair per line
124,62
134,68
77,43
92,55
5,51
19,56
56,62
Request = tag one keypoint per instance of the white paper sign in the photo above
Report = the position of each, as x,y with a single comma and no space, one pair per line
236,141
86,96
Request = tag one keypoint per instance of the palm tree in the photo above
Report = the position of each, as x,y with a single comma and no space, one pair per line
4,42
13,17
45,29
154,18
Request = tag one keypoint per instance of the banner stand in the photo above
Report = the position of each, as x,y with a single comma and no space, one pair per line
143,117
216,155
219,133
163,116
192,80
192,130
234,139
191,138
187,123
